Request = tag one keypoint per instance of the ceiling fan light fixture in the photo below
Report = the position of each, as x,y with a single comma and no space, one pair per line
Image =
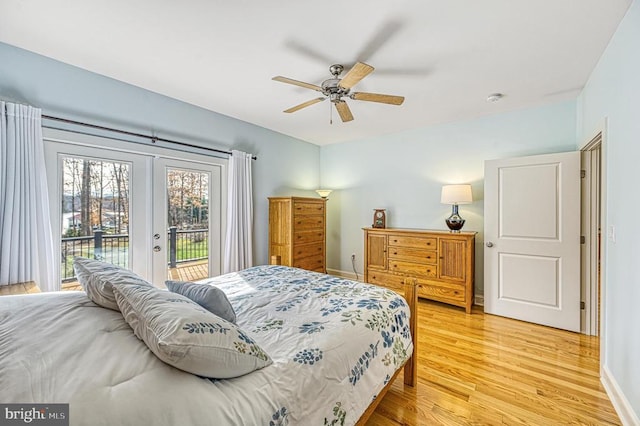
336,88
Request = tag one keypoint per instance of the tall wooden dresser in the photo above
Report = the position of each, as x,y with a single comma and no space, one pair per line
442,262
297,228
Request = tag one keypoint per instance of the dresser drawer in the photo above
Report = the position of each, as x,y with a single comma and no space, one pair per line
412,254
303,237
313,263
305,208
302,223
307,250
444,292
418,242
390,281
410,268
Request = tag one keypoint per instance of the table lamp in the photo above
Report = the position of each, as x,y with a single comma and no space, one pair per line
454,195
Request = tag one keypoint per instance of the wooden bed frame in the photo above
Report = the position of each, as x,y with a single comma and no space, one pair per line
410,366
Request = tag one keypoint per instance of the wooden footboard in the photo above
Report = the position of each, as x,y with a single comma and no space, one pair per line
410,366
411,295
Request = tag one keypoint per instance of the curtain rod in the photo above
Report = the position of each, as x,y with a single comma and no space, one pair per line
153,139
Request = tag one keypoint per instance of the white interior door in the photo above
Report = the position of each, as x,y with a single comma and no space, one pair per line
532,239
187,220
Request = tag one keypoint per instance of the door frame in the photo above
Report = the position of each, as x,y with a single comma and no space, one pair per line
130,147
589,285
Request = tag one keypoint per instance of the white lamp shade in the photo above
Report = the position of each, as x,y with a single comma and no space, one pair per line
456,194
324,193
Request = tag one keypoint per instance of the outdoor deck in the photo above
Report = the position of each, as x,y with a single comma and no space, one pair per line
187,271
190,271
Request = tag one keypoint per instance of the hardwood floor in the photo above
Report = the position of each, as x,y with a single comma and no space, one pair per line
487,370
21,288
484,369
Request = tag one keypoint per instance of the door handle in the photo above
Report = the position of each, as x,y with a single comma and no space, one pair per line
489,244
157,248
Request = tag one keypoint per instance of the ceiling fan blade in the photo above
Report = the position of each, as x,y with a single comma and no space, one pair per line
344,111
359,71
304,105
377,97
297,83
382,37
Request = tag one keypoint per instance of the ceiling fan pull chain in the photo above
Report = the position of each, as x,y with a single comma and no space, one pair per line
330,113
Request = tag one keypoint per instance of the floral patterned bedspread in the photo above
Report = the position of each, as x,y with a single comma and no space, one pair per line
334,343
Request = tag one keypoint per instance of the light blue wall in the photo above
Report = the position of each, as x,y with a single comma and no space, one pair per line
404,174
285,166
613,91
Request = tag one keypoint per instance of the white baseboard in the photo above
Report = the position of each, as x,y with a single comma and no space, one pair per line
344,274
627,416
478,300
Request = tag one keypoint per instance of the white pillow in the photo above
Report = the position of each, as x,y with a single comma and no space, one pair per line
97,279
183,334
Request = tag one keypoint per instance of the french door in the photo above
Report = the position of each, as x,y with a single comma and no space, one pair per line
186,220
157,215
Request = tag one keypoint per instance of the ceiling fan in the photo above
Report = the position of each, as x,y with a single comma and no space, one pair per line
336,88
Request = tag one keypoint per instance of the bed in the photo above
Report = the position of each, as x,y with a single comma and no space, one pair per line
336,346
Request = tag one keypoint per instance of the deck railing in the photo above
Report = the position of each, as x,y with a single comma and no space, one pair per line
184,246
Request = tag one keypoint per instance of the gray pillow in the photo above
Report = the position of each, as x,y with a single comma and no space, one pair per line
209,297
183,334
97,279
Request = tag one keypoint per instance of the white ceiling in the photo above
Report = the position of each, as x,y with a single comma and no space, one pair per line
445,57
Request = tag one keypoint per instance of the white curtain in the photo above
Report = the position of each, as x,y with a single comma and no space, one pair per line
26,246
238,253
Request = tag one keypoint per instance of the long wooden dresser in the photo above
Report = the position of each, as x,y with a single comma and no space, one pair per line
297,228
442,262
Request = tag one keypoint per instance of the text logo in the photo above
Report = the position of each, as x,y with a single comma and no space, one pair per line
34,414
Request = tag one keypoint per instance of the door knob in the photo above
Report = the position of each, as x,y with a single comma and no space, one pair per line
489,244
157,248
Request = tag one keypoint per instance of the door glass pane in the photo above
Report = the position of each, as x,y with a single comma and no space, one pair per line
188,224
95,214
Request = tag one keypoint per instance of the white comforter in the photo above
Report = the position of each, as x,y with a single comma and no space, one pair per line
334,343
